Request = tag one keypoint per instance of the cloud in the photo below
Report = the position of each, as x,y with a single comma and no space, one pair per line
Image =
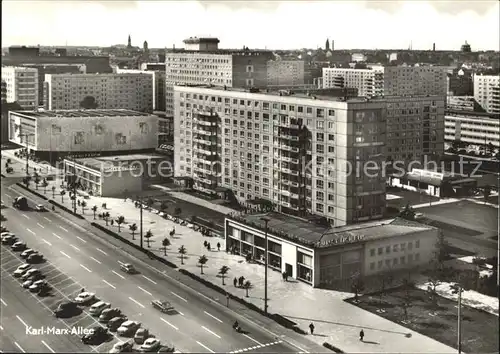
445,7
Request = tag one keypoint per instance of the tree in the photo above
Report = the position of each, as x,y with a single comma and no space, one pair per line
88,102
406,301
94,209
45,184
104,205
407,213
148,236
202,261
223,272
150,202
165,243
62,193
247,285
385,280
182,252
37,181
120,220
84,204
433,282
27,181
53,191
357,286
442,251
133,229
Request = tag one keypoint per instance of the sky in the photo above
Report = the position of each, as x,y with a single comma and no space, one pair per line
268,24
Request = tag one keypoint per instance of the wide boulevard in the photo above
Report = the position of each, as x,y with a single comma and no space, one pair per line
75,260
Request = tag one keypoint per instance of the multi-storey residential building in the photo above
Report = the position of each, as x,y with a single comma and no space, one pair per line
473,128
487,92
285,73
21,86
203,63
460,82
111,91
156,77
415,127
389,80
302,153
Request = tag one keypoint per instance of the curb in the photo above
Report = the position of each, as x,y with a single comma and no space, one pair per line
332,347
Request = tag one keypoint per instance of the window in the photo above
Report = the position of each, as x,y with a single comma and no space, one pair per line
380,250
395,261
388,249
402,260
410,246
380,264
331,113
372,266
395,248
300,109
402,247
319,124
372,252
417,257
417,244
309,110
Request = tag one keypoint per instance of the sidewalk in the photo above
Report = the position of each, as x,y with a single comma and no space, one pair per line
336,321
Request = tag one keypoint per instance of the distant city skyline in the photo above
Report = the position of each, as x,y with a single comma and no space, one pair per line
271,24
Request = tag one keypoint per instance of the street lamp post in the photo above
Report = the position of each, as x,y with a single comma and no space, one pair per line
457,289
27,150
266,221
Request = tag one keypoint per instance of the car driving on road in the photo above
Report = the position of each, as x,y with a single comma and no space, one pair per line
40,207
128,268
163,306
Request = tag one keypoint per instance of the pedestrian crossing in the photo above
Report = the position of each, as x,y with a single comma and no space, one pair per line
257,347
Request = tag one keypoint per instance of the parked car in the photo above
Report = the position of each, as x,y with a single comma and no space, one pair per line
98,307
97,336
34,258
27,283
115,323
6,233
28,252
37,286
128,268
19,246
9,239
141,335
150,345
128,328
84,297
108,314
66,309
31,273
122,347
19,272
166,349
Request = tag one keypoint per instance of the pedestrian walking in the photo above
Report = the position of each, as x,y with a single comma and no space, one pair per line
208,246
361,335
235,282
218,246
284,276
112,222
205,243
311,327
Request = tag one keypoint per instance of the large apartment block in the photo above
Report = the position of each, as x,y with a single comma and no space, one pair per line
21,86
202,63
389,80
285,73
487,92
474,128
132,91
304,154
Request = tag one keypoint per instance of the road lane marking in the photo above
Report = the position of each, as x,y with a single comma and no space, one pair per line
111,285
46,218
137,302
21,320
100,250
204,346
47,242
8,195
26,216
49,348
76,248
43,227
3,302
95,260
81,239
30,231
63,228
20,348
180,297
171,325
209,331
1,328
121,276
152,281
88,270
121,263
299,348
65,254
255,341
147,292
56,235
215,318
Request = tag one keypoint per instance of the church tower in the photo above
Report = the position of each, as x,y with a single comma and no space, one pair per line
129,45
327,45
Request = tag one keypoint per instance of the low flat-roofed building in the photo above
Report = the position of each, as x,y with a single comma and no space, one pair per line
326,257
472,128
113,176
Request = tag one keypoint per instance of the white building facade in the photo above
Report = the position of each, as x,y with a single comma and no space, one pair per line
487,92
21,84
133,91
472,128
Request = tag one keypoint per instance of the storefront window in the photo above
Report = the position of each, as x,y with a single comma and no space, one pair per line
275,261
304,273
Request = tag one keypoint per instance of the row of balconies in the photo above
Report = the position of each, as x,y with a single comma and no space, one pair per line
204,180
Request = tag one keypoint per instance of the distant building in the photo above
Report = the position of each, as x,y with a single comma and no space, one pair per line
93,64
156,79
61,52
473,128
285,73
460,82
202,44
327,45
487,92
465,47
21,85
461,103
4,91
129,42
358,57
133,91
20,51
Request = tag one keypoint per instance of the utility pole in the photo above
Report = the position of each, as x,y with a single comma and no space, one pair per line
266,220
27,150
141,232
458,289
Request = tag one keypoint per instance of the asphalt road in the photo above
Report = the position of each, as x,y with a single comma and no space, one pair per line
77,260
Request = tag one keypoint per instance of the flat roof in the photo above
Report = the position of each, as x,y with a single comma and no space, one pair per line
78,113
470,114
315,236
97,163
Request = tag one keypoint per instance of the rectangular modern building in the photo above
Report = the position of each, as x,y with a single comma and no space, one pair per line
487,92
285,73
329,257
21,86
473,128
389,80
304,154
51,134
110,91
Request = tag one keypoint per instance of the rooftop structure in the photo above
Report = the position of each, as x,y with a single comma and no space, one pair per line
79,113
